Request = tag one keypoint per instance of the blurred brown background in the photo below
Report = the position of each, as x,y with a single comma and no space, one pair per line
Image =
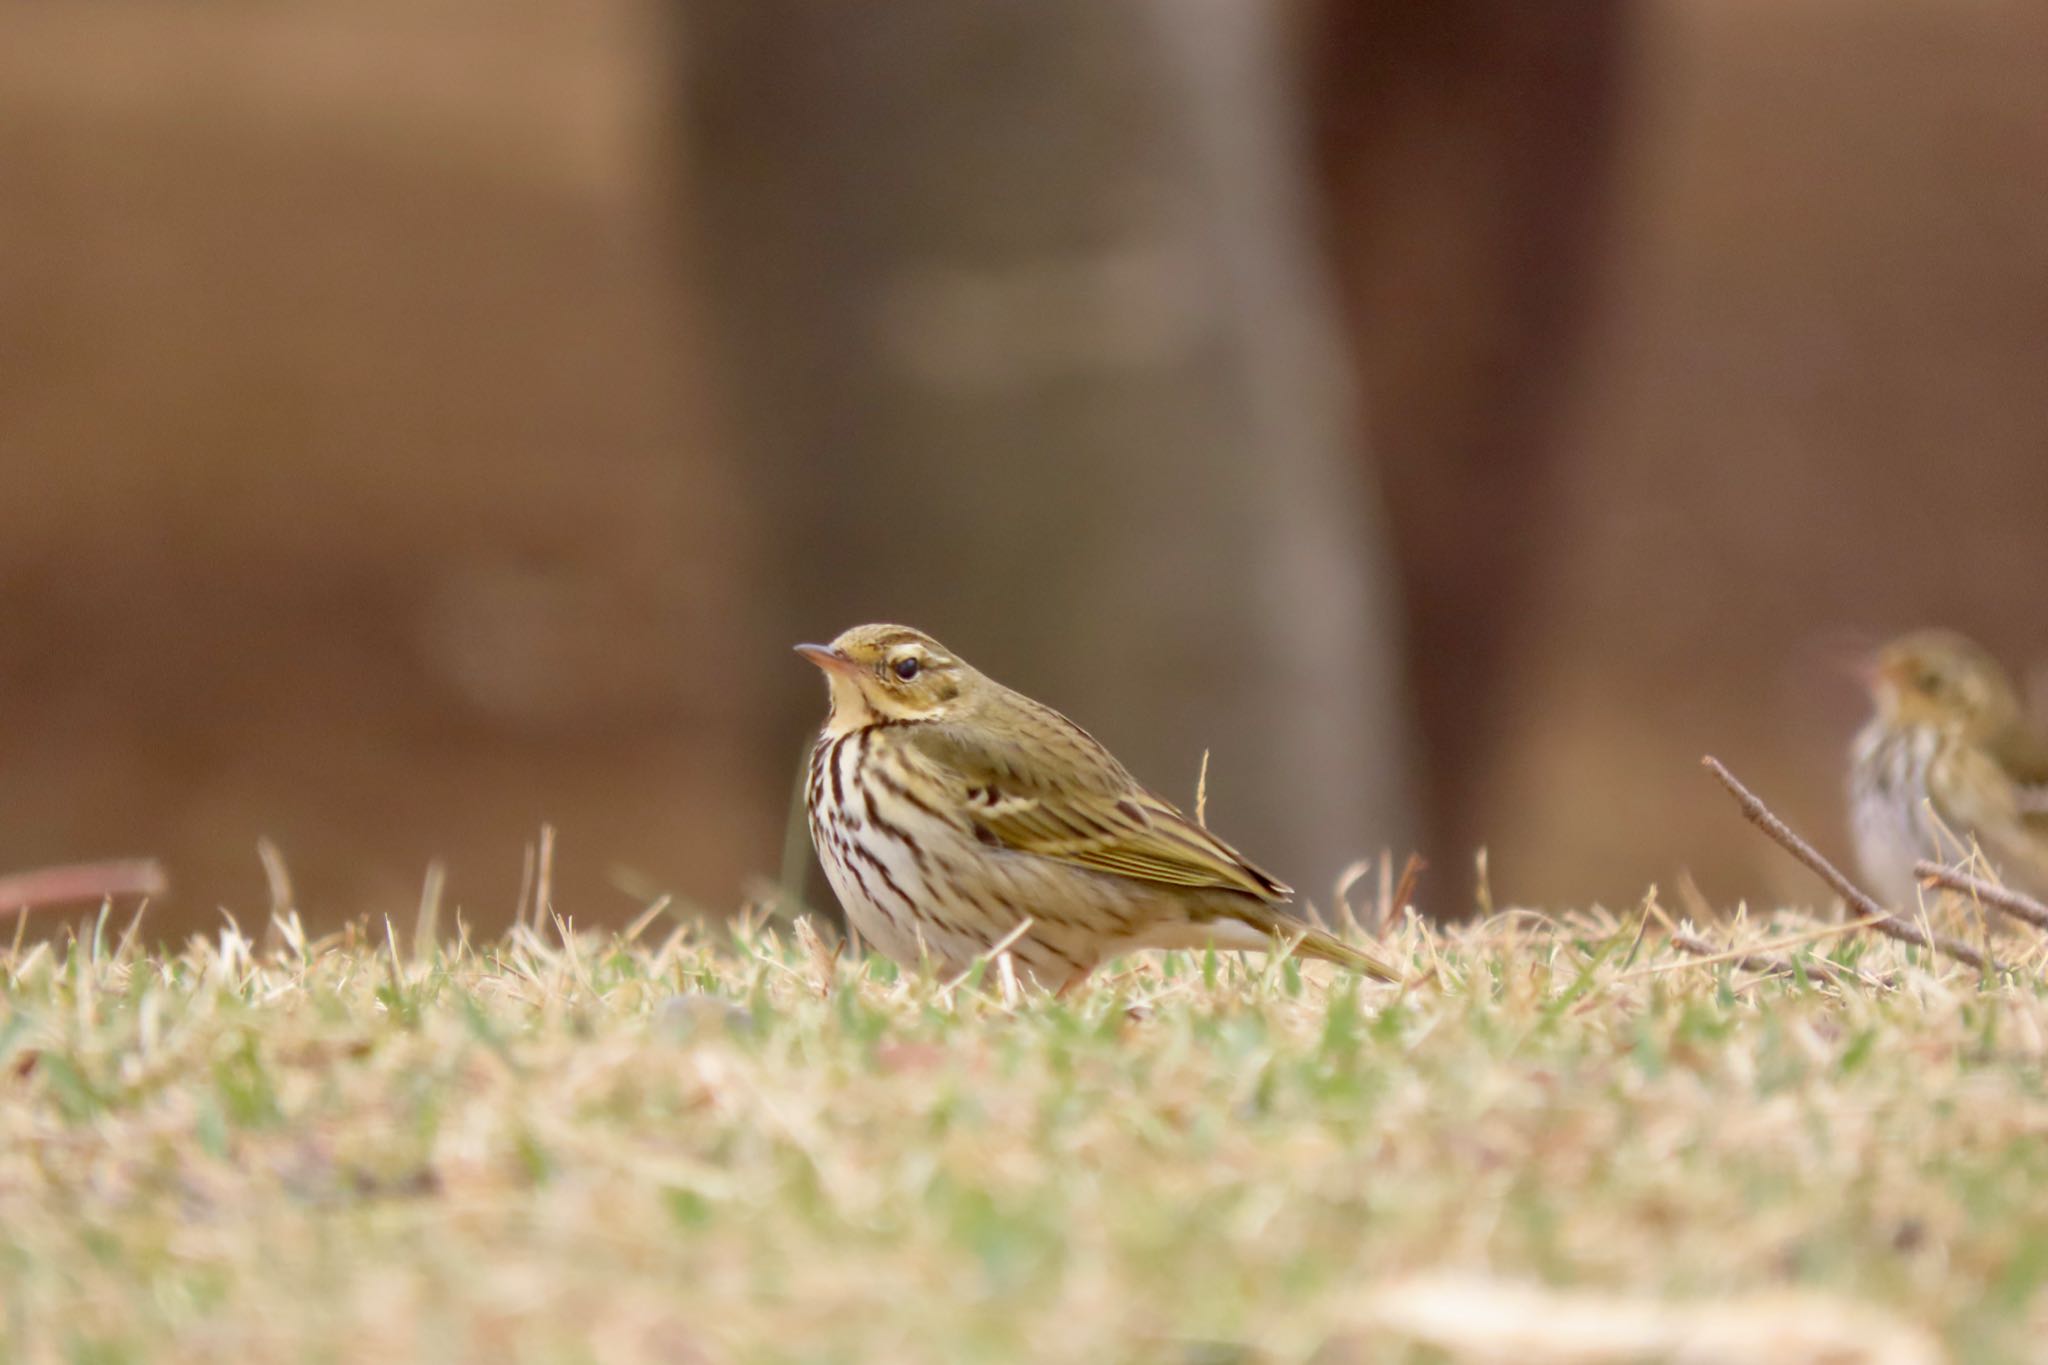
422,420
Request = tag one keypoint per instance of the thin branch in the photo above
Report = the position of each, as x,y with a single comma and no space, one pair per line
1866,907
1747,960
2015,903
1709,955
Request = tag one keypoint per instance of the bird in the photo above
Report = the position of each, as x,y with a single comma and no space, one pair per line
1948,757
954,816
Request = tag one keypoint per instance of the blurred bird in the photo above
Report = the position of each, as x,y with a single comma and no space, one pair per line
1948,756
947,810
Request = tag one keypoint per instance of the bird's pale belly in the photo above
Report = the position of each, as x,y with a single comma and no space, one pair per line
1888,813
919,888
1888,842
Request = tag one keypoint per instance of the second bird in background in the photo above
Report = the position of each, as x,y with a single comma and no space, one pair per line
1949,757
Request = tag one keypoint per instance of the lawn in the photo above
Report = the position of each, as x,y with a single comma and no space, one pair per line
1566,1139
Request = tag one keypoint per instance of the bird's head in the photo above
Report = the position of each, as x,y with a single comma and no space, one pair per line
890,673
1939,679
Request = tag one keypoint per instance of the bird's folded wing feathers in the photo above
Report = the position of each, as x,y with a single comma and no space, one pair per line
1985,800
2024,755
2033,803
1091,814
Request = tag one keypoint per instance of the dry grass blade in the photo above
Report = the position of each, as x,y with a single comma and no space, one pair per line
2015,903
426,929
1350,877
544,877
1404,890
277,876
1481,1319
80,882
599,1142
996,951
1866,907
1383,907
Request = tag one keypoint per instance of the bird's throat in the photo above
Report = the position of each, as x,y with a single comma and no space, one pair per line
850,708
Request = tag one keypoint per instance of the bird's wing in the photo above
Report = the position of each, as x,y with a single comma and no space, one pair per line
1089,812
2033,802
2009,820
2023,754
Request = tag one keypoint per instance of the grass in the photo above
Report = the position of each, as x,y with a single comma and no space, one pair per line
679,1144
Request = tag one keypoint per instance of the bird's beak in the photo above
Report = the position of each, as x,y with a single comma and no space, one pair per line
1875,672
828,658
1856,657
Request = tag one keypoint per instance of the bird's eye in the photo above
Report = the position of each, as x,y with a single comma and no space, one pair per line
1930,682
906,667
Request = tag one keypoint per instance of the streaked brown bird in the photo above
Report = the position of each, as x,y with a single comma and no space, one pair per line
1949,756
947,810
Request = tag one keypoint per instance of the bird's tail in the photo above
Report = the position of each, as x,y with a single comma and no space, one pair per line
1309,941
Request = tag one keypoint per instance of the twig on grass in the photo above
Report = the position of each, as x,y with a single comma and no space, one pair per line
2018,904
1866,907
1754,961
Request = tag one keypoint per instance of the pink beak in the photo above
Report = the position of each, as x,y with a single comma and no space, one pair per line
828,658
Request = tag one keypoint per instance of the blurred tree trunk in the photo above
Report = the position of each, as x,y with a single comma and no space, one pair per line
1026,343
1467,147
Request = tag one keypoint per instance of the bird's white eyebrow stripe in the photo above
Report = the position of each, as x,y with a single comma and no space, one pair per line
912,650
